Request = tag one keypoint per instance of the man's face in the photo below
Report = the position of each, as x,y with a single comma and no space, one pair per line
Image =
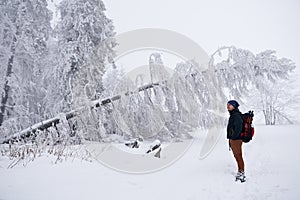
230,107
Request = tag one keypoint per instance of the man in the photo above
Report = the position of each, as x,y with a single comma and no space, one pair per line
234,128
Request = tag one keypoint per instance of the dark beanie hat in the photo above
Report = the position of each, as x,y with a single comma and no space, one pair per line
234,103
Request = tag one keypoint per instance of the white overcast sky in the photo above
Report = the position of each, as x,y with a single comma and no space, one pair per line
256,25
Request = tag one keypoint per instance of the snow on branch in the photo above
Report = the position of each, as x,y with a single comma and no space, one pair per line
194,89
32,130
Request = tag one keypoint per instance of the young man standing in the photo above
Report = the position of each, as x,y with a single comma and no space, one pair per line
234,128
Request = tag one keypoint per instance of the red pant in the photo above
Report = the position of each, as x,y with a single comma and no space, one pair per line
236,146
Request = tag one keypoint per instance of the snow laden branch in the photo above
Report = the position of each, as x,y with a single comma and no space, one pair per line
261,78
184,101
34,129
239,69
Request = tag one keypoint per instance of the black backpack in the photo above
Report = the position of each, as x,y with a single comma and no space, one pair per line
247,130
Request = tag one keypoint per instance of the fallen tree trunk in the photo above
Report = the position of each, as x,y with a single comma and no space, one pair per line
32,130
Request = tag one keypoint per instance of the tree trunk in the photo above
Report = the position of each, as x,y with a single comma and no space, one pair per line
270,115
6,89
273,115
266,115
33,130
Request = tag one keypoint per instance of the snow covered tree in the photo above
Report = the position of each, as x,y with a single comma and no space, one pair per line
85,46
85,42
157,70
24,30
278,102
242,72
113,80
6,31
194,96
239,69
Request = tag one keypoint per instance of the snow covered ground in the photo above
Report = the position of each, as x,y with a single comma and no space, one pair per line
272,170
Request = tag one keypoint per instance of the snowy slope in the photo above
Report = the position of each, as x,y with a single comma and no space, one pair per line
272,169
